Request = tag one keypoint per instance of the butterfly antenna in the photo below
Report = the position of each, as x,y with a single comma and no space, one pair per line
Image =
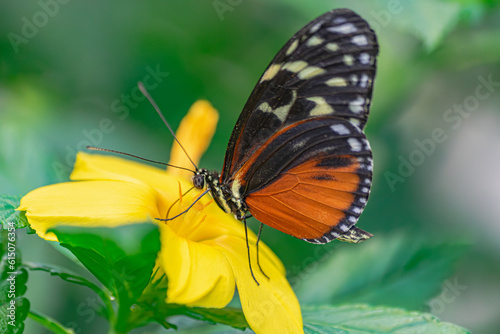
93,148
153,103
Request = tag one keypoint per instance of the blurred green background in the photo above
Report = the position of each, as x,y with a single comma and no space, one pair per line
68,67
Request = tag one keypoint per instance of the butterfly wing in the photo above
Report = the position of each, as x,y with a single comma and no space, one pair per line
326,68
297,155
310,179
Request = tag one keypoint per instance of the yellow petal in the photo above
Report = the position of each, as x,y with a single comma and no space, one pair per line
271,307
198,275
102,167
89,203
194,133
207,221
218,223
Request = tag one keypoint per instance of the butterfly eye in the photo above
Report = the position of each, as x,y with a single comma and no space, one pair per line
198,181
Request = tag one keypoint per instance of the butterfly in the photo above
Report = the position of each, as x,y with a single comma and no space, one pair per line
297,159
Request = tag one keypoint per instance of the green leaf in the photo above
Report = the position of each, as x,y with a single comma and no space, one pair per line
228,316
152,308
357,319
49,323
14,308
67,276
395,271
9,217
360,319
122,259
64,274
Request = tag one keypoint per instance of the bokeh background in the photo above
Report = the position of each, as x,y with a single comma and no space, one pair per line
69,70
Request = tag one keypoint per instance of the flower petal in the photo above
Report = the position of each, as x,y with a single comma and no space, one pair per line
217,224
198,275
206,221
102,167
194,133
91,203
270,307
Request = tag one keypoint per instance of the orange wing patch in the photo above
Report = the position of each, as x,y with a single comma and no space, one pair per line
309,200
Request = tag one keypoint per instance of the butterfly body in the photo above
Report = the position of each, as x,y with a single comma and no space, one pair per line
298,159
225,199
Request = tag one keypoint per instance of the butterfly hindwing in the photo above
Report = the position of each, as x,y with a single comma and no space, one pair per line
310,179
326,69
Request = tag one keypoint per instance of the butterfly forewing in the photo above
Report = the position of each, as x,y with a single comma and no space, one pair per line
326,69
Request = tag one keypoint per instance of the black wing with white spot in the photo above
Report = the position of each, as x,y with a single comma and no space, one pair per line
325,69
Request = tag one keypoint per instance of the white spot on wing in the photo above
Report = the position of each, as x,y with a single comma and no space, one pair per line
360,40
271,72
341,129
339,20
321,107
356,210
354,79
348,60
292,47
352,219
315,40
332,47
344,227
315,28
355,144
357,105
367,147
282,112
295,66
365,79
365,190
336,82
265,107
355,121
362,200
364,58
346,28
311,71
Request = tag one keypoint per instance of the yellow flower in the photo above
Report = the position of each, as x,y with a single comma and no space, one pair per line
203,252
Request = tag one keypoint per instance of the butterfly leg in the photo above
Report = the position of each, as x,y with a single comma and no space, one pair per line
183,212
257,247
177,200
248,251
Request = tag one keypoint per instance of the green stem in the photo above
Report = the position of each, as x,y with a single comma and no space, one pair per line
52,325
109,306
71,278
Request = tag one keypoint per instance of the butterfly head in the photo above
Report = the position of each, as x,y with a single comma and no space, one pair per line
220,193
199,179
